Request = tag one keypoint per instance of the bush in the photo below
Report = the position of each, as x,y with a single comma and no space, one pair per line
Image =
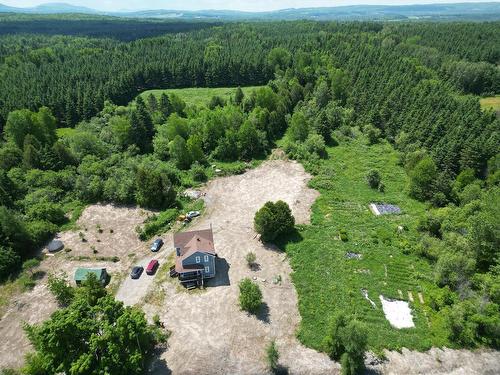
273,220
272,356
9,262
250,296
60,288
158,223
198,172
250,258
343,235
372,134
373,178
431,224
346,340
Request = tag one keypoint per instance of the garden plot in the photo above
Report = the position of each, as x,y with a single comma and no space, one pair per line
398,313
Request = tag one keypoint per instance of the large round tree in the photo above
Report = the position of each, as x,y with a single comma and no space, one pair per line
274,220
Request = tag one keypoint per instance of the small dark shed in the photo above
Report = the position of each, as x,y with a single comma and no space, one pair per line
55,245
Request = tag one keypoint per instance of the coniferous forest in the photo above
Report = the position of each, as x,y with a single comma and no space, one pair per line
74,130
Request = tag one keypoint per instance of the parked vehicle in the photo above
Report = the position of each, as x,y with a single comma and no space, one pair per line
136,272
193,214
152,267
157,245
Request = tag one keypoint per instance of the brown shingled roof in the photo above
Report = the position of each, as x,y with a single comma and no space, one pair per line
191,242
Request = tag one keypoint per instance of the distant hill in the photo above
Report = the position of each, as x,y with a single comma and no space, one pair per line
49,8
458,11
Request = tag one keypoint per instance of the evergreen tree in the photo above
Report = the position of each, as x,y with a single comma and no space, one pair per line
165,106
238,96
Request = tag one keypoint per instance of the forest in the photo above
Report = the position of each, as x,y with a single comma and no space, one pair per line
76,131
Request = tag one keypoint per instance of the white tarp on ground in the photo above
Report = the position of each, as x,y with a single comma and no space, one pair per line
398,313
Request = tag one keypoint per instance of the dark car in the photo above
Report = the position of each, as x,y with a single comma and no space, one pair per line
157,245
152,266
136,272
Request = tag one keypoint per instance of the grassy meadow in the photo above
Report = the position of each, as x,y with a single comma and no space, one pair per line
199,96
327,282
491,102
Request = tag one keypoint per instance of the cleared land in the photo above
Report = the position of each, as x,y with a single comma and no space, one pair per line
36,305
226,339
210,335
200,96
492,102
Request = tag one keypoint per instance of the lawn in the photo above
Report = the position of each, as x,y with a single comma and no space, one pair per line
492,102
328,282
199,96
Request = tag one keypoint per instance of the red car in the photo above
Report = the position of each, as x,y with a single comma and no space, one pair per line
152,266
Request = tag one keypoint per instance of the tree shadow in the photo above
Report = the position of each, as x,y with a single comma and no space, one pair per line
158,365
38,275
255,267
221,274
371,371
263,313
280,243
281,370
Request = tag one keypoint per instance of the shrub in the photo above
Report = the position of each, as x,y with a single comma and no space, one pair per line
61,290
373,178
372,134
273,220
315,145
346,340
343,235
250,296
272,356
30,264
9,262
250,258
158,223
198,172
156,320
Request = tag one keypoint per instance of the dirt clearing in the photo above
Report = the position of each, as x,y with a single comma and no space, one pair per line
210,335
107,229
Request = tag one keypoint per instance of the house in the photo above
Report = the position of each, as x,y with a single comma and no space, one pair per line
82,273
195,256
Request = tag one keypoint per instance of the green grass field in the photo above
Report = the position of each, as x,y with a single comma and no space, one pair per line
199,96
492,102
326,281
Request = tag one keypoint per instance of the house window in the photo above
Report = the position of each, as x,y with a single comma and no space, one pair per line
206,258
197,259
207,269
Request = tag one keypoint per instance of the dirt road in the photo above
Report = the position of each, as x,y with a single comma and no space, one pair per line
132,291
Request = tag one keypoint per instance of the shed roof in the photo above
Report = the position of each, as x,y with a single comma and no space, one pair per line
81,273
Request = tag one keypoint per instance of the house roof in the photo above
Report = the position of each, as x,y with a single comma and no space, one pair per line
81,273
189,243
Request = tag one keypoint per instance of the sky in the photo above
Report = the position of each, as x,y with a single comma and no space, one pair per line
248,5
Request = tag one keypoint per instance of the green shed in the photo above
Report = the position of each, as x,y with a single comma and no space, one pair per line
81,274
